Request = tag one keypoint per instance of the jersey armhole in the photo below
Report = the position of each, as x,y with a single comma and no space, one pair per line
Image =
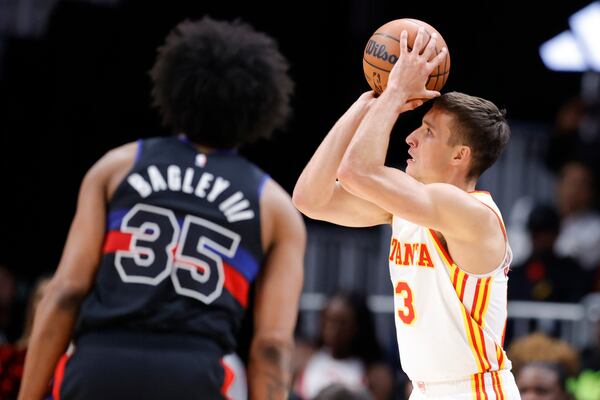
449,261
261,186
138,153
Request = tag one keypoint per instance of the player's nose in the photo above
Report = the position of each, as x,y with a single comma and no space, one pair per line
411,139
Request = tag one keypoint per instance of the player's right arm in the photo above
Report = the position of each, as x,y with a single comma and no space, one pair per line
277,298
318,195
57,312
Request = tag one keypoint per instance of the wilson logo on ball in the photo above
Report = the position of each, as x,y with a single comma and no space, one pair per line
379,51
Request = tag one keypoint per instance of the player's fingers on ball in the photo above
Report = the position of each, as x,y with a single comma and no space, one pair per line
419,40
430,51
437,60
403,42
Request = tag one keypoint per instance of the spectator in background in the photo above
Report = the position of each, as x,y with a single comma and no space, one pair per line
12,356
546,276
7,300
347,353
542,381
580,222
538,347
337,391
576,133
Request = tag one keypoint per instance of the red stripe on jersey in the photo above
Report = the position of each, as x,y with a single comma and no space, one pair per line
471,332
485,395
477,387
455,278
228,377
484,350
464,285
496,385
116,240
442,248
500,354
483,307
59,374
475,298
236,284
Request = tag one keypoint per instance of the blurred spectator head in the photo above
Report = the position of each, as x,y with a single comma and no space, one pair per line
7,299
223,84
338,391
570,116
576,188
542,381
347,328
543,225
538,347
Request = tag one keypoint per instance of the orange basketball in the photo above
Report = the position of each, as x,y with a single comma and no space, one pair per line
383,49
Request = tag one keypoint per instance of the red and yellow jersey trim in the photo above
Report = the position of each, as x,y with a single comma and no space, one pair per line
473,321
479,389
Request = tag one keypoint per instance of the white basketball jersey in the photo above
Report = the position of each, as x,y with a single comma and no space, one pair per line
449,323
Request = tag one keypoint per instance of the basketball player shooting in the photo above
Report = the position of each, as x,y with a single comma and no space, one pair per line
449,255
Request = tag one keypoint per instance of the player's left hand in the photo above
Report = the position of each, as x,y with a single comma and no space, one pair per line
412,69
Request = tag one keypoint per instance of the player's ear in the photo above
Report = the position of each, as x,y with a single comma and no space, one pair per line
462,154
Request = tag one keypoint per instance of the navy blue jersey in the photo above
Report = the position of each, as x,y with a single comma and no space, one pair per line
183,244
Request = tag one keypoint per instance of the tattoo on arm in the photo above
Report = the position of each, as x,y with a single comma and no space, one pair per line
276,365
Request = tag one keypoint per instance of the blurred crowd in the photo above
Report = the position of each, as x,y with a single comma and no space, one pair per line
556,247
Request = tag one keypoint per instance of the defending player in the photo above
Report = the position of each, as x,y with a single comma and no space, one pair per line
170,232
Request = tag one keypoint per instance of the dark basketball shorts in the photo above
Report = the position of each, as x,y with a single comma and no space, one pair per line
142,366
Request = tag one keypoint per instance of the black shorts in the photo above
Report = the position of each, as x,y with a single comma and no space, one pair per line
141,366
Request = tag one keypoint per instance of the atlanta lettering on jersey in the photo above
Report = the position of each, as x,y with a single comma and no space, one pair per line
406,254
234,207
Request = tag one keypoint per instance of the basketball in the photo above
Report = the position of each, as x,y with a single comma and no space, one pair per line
383,49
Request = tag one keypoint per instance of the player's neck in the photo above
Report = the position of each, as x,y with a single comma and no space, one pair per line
460,181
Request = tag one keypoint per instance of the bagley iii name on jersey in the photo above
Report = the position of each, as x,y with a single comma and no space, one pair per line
234,207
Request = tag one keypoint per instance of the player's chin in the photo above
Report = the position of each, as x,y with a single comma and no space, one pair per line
410,169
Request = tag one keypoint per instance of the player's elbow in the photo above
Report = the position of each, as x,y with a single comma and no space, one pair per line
273,348
349,175
67,294
305,201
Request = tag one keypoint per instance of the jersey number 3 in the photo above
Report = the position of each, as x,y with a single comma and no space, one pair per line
406,311
190,255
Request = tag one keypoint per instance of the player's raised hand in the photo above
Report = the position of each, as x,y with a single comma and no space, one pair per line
410,73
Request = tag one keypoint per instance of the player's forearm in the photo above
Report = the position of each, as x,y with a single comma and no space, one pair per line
269,370
316,184
54,321
368,148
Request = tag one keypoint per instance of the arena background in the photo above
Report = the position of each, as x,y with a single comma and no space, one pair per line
74,84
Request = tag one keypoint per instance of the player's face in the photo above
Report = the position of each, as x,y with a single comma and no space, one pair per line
539,383
429,152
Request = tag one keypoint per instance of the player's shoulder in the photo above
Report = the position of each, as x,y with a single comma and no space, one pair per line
450,193
116,156
125,151
277,208
112,167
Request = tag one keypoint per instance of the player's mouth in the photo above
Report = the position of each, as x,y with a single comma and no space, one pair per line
411,159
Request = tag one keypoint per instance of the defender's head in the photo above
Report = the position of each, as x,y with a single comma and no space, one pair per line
223,84
461,136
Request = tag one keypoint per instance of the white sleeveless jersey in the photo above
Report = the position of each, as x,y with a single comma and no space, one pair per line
449,324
